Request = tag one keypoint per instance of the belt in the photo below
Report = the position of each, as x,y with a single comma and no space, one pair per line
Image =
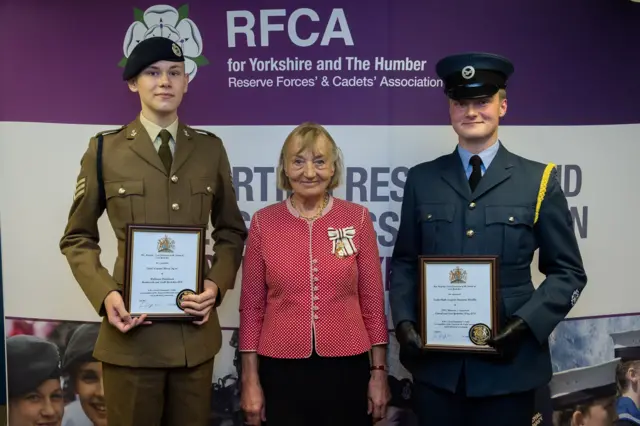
514,277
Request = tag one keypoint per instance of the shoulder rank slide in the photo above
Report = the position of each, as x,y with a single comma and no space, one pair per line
204,132
542,191
109,132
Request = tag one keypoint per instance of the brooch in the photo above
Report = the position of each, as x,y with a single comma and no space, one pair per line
342,241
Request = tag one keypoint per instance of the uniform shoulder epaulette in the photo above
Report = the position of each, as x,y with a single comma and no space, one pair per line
542,190
109,132
204,132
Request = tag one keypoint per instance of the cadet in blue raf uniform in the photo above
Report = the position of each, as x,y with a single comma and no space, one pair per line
484,200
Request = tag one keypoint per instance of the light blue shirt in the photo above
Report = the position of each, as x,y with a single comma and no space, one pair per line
487,157
74,415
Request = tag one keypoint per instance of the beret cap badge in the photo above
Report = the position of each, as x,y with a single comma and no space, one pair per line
176,50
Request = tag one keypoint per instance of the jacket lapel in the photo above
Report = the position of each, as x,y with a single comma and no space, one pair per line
184,147
142,145
499,170
454,175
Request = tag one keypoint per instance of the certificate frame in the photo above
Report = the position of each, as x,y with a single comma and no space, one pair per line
198,251
476,329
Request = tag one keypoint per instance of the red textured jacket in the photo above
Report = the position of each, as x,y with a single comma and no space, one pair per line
296,286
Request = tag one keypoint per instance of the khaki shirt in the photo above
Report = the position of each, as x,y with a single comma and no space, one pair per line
153,130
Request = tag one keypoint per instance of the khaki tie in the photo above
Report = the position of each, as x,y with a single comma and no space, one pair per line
165,151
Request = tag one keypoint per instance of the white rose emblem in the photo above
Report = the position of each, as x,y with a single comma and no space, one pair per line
165,21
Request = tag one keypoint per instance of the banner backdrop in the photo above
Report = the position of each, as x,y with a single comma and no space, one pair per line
3,366
366,72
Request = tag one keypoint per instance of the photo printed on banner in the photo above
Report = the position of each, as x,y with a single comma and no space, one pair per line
575,344
82,402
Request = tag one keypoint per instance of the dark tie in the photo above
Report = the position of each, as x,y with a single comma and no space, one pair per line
476,173
165,151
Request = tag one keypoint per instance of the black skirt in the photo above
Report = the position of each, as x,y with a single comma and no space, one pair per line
316,391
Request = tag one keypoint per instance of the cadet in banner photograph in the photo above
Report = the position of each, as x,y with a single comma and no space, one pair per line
482,199
313,328
82,375
33,382
585,396
155,170
626,346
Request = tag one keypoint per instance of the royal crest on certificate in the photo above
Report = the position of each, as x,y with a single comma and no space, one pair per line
163,265
458,303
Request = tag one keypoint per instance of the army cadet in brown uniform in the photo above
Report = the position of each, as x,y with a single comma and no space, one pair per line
156,170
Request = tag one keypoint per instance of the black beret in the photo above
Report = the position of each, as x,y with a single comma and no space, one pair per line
30,362
80,346
150,51
473,75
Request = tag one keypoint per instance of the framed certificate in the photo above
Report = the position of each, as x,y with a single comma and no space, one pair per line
163,263
458,302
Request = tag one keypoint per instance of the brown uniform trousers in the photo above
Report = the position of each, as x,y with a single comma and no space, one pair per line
160,373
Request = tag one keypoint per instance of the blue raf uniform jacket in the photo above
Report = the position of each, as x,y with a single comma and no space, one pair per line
440,216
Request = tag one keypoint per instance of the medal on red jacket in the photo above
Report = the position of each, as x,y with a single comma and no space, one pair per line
341,239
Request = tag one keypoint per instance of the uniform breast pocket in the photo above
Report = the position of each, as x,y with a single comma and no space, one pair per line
125,202
202,193
510,232
435,223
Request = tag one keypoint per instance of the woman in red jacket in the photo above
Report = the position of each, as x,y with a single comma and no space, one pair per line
313,329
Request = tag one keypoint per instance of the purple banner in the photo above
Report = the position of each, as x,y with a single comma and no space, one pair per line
267,62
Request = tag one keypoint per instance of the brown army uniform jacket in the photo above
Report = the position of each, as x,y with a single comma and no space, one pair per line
138,190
